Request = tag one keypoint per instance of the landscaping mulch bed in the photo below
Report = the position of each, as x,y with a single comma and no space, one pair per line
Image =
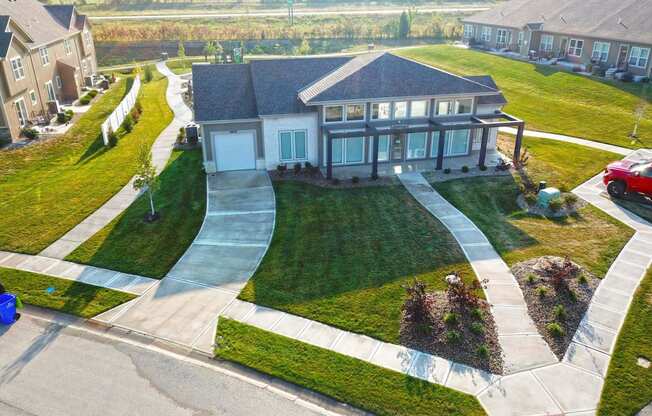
319,179
434,340
573,295
564,211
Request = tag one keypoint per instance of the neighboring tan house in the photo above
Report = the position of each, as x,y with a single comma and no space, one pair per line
610,33
46,57
370,110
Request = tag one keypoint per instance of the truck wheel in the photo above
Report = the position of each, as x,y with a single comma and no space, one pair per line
616,189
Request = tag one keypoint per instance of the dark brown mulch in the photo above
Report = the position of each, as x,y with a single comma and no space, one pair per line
318,179
434,340
574,296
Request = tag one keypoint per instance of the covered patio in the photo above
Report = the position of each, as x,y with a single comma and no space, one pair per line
436,129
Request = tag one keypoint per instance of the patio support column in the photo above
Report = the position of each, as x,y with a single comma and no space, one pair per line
483,146
440,150
374,160
329,157
518,142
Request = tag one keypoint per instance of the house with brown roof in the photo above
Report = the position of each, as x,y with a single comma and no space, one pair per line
609,33
46,57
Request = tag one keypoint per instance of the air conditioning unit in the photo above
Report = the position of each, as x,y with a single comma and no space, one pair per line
89,81
53,107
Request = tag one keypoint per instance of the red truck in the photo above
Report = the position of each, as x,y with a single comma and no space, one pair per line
628,176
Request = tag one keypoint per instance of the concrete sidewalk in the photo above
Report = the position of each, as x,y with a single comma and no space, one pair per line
161,151
184,306
623,151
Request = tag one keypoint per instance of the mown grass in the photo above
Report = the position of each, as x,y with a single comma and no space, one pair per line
184,66
343,378
552,100
67,296
131,245
341,256
628,387
50,187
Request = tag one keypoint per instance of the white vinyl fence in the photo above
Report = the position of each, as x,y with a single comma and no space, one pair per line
118,115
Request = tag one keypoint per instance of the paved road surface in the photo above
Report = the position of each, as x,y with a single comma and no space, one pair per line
283,13
49,370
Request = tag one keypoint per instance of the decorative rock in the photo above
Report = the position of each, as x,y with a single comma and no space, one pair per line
453,279
643,362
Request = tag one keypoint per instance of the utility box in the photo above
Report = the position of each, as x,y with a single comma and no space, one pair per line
546,195
192,133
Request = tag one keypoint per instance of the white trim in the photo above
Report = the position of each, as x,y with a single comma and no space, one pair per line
47,91
213,138
427,109
638,58
342,120
486,33
58,81
45,57
33,97
506,33
545,46
364,111
575,48
468,30
600,52
20,68
389,114
425,146
407,110
293,148
22,110
66,46
344,142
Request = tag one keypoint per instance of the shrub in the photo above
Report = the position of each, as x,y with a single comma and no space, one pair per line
149,74
531,278
450,318
281,169
92,93
138,106
483,351
563,188
85,100
128,123
113,138
135,115
453,337
29,133
297,168
477,328
465,169
542,291
335,181
560,313
418,304
555,329
463,294
560,273
447,171
483,167
530,198
582,279
555,204
64,116
570,200
477,314
181,136
308,166
355,179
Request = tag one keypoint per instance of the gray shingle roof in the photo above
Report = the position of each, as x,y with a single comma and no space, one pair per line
388,76
277,82
223,92
5,41
626,20
62,12
487,81
43,26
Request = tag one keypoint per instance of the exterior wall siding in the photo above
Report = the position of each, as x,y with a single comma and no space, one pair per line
273,125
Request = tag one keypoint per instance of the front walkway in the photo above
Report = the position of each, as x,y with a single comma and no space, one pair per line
161,151
623,151
184,306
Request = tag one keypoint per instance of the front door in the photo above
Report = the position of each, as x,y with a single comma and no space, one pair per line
563,46
397,146
622,57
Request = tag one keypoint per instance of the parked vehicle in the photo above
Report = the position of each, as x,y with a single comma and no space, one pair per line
628,176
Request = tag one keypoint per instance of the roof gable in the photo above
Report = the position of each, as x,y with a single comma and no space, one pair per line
38,21
223,92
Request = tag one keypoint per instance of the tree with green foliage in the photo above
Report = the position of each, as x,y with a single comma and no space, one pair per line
181,51
149,73
404,26
145,177
209,49
304,48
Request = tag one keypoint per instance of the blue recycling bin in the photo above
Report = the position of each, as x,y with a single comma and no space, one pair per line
7,309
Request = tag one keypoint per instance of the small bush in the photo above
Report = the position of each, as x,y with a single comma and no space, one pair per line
453,337
531,278
297,168
128,123
477,314
29,133
135,115
64,116
477,328
447,171
555,329
563,188
149,73
308,166
450,318
281,169
465,169
138,106
335,181
555,205
560,313
85,100
582,279
483,351
181,136
530,198
355,179
113,139
570,200
483,167
542,291
572,295
92,93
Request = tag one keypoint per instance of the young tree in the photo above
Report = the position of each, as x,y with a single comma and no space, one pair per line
145,178
149,74
209,49
181,51
304,48
218,52
639,114
404,26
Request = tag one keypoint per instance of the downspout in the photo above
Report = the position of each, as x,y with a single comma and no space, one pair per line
38,87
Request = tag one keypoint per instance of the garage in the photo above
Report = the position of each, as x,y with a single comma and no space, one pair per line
234,150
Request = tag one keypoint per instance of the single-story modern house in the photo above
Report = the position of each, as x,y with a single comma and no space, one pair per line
609,33
367,111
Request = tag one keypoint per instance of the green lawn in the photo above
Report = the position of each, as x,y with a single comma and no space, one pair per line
68,296
628,387
341,256
50,187
184,66
346,379
549,99
129,244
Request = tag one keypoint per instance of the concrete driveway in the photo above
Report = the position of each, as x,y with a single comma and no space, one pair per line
237,229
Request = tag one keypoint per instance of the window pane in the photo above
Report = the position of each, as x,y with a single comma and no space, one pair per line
419,108
400,109
443,108
286,145
463,106
434,145
416,145
355,112
337,150
300,144
383,148
334,114
380,111
354,148
460,141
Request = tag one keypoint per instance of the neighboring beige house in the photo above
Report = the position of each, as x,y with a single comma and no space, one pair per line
46,57
609,33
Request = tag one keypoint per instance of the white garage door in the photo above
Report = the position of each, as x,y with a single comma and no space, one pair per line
234,151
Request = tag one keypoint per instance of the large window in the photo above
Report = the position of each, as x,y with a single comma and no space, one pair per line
639,57
521,37
444,108
383,148
67,47
21,111
468,31
464,106
419,108
292,145
333,114
400,109
546,42
600,51
32,96
575,47
502,37
380,111
355,112
417,145
349,150
50,89
456,142
486,34
45,57
17,68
